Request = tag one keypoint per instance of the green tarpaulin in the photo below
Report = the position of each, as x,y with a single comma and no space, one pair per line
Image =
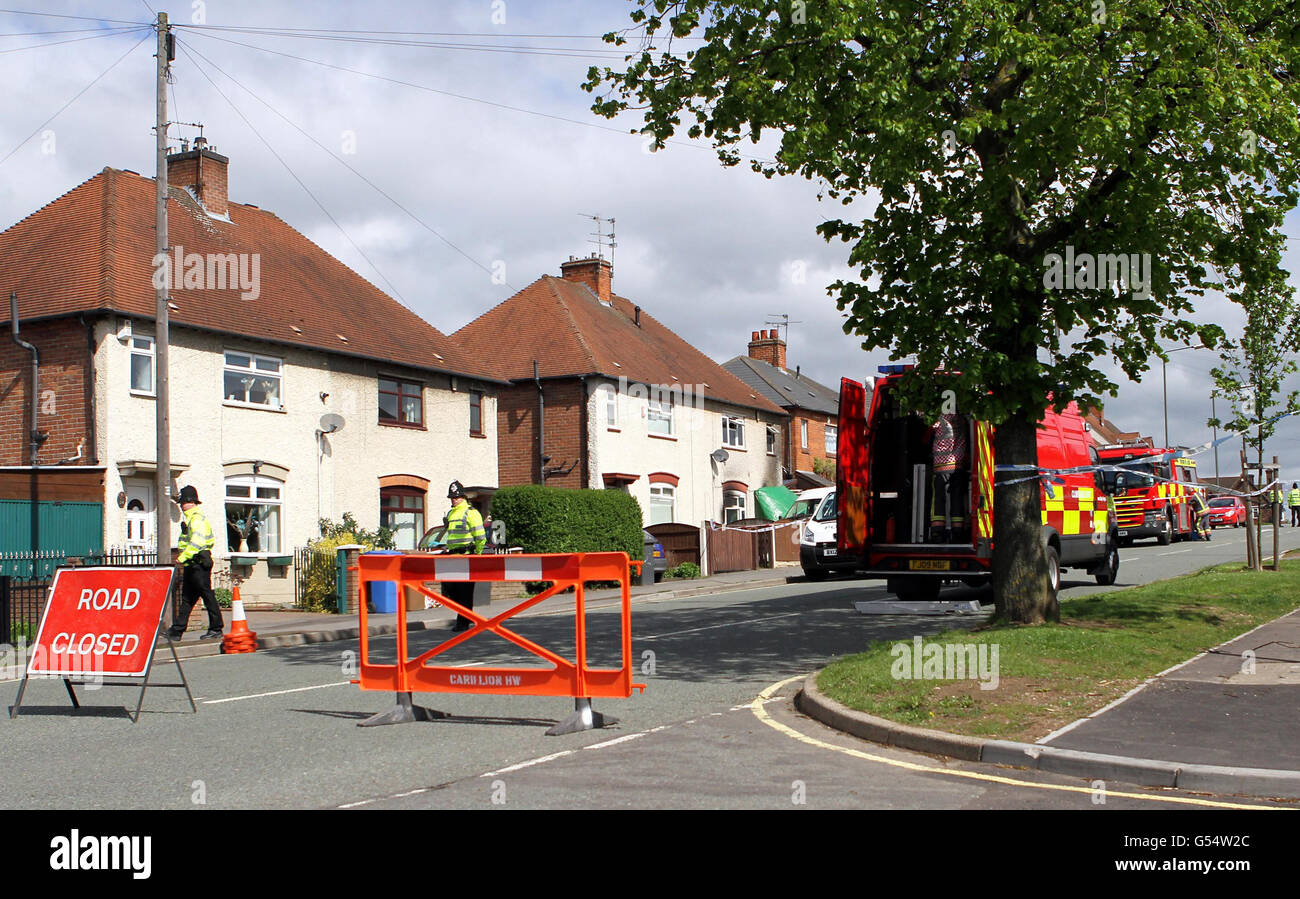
773,502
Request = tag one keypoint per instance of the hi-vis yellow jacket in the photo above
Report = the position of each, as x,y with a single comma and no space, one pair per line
196,534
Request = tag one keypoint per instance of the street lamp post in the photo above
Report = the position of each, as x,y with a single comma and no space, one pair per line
1164,379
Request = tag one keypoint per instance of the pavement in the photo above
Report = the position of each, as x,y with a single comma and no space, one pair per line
1222,722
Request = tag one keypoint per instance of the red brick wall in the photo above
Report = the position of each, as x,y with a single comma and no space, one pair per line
768,347
64,390
803,459
517,449
211,187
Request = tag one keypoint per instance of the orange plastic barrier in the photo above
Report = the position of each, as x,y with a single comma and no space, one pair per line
564,677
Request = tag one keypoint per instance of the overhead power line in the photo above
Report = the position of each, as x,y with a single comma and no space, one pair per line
446,93
94,81
291,172
73,40
54,15
345,164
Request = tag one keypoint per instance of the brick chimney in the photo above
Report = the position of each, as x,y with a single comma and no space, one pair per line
596,273
203,172
766,346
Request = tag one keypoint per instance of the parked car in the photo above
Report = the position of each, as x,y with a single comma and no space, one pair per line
658,558
1227,511
818,553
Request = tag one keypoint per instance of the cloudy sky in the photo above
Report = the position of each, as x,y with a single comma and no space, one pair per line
478,128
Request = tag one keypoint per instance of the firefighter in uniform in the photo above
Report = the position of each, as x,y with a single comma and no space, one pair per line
1201,514
1293,500
950,467
195,545
465,534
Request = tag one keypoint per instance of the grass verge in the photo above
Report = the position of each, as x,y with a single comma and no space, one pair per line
1048,676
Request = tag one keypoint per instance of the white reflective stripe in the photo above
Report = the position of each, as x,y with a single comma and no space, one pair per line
523,569
452,569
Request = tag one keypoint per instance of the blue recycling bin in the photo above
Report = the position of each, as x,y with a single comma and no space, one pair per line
383,594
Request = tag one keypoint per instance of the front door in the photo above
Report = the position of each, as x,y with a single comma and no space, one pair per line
139,515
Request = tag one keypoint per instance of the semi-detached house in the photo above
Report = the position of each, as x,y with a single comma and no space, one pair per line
602,394
305,395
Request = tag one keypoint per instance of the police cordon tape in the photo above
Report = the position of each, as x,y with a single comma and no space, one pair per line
1049,474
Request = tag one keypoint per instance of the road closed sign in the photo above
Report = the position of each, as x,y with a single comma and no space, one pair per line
101,621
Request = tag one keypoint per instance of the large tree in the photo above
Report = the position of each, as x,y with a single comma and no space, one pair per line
997,143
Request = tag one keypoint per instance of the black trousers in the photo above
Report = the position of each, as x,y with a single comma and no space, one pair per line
461,592
196,581
1295,516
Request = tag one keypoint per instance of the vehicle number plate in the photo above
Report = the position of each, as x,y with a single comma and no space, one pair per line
928,565
829,552
1123,533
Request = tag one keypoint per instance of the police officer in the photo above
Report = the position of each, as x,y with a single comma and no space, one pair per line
195,545
465,534
1275,500
1293,500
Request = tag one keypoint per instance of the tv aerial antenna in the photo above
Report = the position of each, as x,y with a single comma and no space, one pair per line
782,320
602,240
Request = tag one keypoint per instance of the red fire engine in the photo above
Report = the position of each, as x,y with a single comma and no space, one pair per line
889,516
1150,498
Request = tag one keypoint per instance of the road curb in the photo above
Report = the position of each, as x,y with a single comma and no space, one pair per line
1260,782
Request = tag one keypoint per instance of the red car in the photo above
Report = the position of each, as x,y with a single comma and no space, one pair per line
1227,511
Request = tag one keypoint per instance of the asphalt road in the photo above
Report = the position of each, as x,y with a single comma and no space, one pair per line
276,729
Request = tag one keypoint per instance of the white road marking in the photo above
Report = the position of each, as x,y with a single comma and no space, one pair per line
530,763
342,683
1174,552
709,627
617,740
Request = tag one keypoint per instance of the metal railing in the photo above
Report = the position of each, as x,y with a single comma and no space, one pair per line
25,579
315,575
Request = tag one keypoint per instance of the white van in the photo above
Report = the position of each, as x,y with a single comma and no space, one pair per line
817,545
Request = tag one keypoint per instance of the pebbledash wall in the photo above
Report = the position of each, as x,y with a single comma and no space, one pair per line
214,439
629,448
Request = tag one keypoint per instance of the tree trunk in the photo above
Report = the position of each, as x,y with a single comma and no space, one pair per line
1021,591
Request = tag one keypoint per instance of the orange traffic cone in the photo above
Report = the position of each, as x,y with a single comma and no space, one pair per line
240,638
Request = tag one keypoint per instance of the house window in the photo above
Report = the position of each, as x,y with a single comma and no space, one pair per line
733,506
401,402
771,441
142,354
659,416
803,433
831,437
663,501
401,510
611,407
253,514
476,413
733,432
252,380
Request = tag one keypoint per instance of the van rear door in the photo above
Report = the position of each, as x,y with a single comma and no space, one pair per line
852,470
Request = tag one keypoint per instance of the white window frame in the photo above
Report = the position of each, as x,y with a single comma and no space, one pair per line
152,354
611,405
253,482
732,426
771,440
655,407
832,439
729,505
253,359
664,491
803,433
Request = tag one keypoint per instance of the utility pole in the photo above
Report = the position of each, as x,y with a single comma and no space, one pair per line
163,476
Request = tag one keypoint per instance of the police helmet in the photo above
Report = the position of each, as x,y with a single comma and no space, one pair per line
455,490
188,495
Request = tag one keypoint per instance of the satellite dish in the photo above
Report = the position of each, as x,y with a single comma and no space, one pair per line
719,455
331,422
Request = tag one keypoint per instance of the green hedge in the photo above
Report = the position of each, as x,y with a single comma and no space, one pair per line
559,520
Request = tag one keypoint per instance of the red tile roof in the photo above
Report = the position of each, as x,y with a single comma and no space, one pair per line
565,327
92,250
